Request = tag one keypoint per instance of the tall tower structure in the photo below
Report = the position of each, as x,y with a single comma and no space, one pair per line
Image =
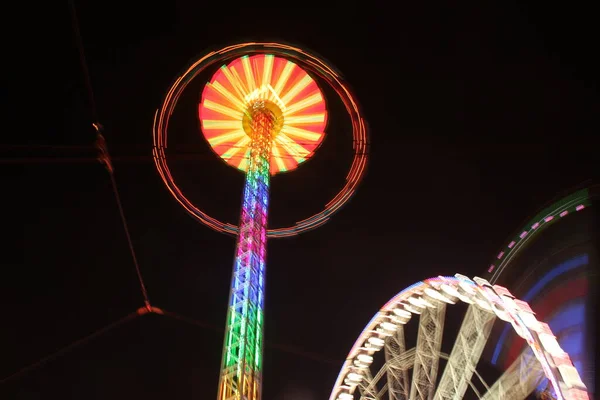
263,113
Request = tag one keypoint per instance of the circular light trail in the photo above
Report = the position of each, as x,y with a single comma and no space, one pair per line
286,90
304,61
557,211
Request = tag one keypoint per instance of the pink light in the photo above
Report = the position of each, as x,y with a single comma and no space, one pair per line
548,219
500,255
535,225
491,268
511,244
562,214
523,306
522,235
579,207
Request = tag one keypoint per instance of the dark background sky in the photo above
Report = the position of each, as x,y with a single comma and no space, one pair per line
478,117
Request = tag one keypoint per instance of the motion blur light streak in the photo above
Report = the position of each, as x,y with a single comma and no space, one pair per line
574,202
302,60
385,332
286,90
552,272
263,114
538,287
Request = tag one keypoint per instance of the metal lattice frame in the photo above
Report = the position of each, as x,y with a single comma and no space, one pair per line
397,374
242,352
472,337
429,342
428,298
519,380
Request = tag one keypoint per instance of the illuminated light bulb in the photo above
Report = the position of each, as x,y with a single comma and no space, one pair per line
482,282
468,288
438,296
465,298
401,313
549,218
375,341
354,377
383,332
562,214
534,226
523,234
451,290
511,244
579,207
420,302
388,326
365,358
400,321
483,304
414,310
345,396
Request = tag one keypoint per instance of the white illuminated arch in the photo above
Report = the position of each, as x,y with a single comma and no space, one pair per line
428,299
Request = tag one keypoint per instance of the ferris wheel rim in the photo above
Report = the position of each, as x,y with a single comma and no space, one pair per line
307,61
342,389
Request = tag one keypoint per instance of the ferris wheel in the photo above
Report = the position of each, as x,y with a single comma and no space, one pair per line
381,365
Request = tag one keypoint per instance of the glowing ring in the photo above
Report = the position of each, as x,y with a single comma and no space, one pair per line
478,291
303,59
291,95
568,205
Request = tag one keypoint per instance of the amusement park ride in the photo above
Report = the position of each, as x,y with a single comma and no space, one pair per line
264,113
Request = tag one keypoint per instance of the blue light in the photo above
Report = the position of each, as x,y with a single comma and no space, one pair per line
560,269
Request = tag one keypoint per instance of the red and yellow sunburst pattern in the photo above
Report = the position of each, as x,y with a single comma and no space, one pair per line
292,95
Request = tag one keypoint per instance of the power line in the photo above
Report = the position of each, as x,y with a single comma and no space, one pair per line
103,150
83,62
68,348
282,347
155,310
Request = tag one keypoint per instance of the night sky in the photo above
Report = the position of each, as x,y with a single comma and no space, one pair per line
477,116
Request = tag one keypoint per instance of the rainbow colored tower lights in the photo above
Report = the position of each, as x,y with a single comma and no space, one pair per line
242,358
263,114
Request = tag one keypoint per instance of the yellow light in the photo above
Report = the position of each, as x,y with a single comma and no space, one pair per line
211,105
225,137
229,96
236,148
301,133
234,80
305,119
283,78
302,104
268,70
248,73
220,124
297,88
278,160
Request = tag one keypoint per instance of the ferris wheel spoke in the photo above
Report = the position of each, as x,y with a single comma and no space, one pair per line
429,342
397,374
519,380
368,387
470,342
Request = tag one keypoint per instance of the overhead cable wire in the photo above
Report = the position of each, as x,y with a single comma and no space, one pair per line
282,347
69,347
83,61
101,146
